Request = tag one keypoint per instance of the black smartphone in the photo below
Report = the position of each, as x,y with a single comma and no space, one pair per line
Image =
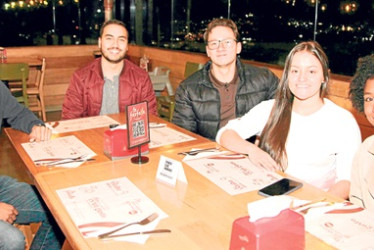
283,186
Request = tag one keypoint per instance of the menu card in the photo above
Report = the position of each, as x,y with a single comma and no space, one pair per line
100,207
161,136
65,126
67,147
234,173
342,225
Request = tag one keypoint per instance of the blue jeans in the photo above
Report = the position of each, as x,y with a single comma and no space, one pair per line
31,208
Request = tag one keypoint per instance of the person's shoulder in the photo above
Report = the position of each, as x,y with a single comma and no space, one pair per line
337,115
369,142
259,73
130,66
195,78
88,67
334,108
266,104
254,68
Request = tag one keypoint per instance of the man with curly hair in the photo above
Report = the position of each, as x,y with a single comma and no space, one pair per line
362,97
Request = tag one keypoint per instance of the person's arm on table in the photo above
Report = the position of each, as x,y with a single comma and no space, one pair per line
232,141
340,189
40,133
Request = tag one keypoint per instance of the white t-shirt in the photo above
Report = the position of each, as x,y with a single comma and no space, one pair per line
320,147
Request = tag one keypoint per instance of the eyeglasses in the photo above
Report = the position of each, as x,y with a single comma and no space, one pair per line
226,43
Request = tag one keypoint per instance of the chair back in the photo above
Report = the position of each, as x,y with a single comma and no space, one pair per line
160,79
165,107
36,92
40,76
192,67
16,72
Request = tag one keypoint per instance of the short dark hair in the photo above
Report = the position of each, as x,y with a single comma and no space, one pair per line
364,72
112,21
222,22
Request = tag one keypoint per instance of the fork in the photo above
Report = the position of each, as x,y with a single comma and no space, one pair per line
195,152
137,233
143,222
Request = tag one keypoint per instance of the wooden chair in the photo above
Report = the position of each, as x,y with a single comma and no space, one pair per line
16,73
192,67
160,79
29,232
165,107
36,93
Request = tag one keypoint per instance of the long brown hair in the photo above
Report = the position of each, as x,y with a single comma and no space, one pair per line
274,135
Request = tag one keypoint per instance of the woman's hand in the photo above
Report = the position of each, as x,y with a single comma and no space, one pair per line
231,140
262,159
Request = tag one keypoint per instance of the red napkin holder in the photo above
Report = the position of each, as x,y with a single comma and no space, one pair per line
115,145
285,231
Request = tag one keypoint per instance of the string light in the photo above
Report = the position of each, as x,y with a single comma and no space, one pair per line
22,4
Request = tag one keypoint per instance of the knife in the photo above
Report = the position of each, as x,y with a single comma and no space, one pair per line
66,162
137,233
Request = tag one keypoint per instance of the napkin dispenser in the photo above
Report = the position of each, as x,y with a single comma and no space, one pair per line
115,145
284,231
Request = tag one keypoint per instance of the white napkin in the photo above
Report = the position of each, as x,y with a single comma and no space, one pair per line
268,207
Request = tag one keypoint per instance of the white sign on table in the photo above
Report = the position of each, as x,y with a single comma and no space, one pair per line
170,170
100,207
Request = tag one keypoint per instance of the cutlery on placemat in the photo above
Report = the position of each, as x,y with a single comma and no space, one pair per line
305,210
51,160
136,233
292,207
195,152
143,222
66,162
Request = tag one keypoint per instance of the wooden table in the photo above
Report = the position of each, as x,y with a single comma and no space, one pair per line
200,213
94,139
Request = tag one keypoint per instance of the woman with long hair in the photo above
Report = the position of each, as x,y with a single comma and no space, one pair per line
300,132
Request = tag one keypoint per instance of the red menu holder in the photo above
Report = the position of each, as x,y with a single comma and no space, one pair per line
115,145
285,231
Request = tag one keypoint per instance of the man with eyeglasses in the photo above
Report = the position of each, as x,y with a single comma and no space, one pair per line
109,83
224,88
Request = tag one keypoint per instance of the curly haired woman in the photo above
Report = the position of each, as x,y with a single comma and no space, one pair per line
362,98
